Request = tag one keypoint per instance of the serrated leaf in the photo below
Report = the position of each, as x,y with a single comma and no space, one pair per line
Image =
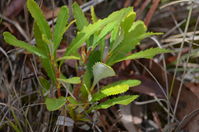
61,23
41,44
92,28
81,20
12,40
130,83
68,58
55,103
38,16
93,15
128,21
72,80
117,87
101,71
39,41
108,91
107,29
122,100
131,39
148,54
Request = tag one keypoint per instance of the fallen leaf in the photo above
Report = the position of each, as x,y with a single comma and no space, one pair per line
14,8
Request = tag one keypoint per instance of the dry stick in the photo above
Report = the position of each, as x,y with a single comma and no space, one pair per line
151,12
186,120
178,61
166,78
162,89
194,113
144,5
8,59
176,23
23,33
173,29
173,3
27,21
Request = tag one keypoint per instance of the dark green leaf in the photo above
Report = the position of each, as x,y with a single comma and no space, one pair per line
123,100
39,18
9,38
61,23
55,103
81,20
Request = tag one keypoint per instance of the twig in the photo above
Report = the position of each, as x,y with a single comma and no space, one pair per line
178,61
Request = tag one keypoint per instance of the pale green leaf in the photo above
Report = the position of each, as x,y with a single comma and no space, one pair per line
93,15
68,58
61,23
122,100
129,42
12,40
55,103
107,29
128,21
101,71
92,28
72,80
81,20
38,16
94,57
108,91
148,54
130,83
115,88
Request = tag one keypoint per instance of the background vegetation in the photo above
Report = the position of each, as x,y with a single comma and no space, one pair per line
168,93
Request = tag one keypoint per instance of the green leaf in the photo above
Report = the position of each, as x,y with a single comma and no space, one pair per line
148,54
92,28
68,58
128,21
81,20
55,103
101,71
108,91
94,57
61,23
39,41
93,15
39,18
107,29
15,127
123,100
130,83
72,80
9,38
73,101
115,88
131,39
45,84
46,63
41,44
117,37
